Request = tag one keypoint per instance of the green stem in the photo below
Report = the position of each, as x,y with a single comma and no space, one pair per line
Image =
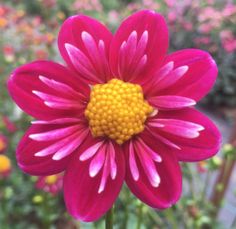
191,181
206,184
170,215
109,219
140,215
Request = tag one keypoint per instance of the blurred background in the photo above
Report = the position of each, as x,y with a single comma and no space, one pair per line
28,31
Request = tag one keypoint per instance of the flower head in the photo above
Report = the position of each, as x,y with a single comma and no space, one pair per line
121,110
51,184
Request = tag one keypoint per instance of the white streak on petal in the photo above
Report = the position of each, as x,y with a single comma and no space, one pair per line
90,151
97,162
112,161
105,175
132,162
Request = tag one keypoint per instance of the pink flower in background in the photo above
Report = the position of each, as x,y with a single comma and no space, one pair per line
3,143
88,5
121,110
204,40
9,53
52,184
228,40
202,166
10,126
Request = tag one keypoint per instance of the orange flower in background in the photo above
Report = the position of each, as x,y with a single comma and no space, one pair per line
3,22
5,166
3,143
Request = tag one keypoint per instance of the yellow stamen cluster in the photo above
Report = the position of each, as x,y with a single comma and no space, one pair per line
51,179
5,164
117,110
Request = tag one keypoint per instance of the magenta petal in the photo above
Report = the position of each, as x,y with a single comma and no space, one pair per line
170,187
139,46
88,198
199,78
39,85
34,165
206,145
84,44
171,102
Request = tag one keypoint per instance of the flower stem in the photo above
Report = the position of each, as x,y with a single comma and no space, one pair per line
109,219
140,215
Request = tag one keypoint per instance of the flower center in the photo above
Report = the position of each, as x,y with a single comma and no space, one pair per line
5,164
117,110
51,179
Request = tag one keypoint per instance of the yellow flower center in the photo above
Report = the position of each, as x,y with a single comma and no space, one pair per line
51,179
117,110
5,164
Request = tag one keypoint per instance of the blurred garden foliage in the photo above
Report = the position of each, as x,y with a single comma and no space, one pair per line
28,32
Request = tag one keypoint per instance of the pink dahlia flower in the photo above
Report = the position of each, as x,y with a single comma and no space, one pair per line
121,110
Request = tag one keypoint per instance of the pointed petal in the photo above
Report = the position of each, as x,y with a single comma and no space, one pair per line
82,198
35,165
28,78
145,34
171,102
84,44
169,189
199,78
206,145
177,127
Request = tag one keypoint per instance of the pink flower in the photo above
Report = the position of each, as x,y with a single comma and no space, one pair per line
10,126
121,110
51,184
228,40
202,166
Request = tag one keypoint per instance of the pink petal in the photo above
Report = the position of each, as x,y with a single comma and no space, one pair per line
177,127
112,161
55,134
169,189
61,87
57,121
72,146
132,162
82,197
199,78
162,139
97,162
26,79
147,163
196,149
171,78
91,151
32,164
145,34
171,102
84,44
105,174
